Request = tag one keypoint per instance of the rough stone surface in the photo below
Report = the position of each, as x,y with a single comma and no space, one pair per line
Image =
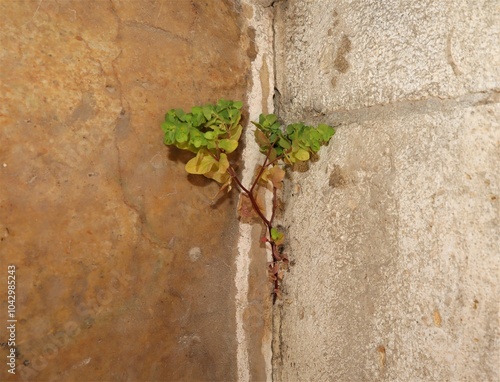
354,54
125,269
394,231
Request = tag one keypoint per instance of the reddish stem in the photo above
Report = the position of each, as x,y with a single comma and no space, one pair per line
250,195
267,222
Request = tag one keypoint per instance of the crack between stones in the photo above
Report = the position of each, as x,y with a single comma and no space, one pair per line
392,109
276,94
277,341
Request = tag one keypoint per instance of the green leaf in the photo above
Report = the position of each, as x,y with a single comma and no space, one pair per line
211,145
207,112
270,119
169,138
284,143
197,116
326,131
222,104
277,236
238,104
274,233
182,133
234,114
197,110
197,139
180,114
315,146
276,126
171,117
165,126
262,118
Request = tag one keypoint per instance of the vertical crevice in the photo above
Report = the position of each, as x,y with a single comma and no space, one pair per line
276,92
254,363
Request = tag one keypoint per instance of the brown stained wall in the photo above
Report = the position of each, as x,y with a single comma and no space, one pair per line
124,268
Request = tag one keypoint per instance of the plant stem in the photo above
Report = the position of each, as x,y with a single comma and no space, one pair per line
263,167
250,195
267,222
275,204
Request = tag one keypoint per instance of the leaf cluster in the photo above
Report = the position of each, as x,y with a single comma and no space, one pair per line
210,131
292,143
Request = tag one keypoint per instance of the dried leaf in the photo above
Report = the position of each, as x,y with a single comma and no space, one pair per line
260,198
261,139
246,210
223,187
273,267
276,176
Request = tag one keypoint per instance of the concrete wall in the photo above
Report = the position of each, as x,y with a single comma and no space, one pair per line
394,231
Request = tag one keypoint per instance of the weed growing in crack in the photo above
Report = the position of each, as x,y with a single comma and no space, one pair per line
212,132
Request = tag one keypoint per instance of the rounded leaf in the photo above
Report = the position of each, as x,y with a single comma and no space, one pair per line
302,155
201,163
228,145
182,133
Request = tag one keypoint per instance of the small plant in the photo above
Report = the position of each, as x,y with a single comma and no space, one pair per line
212,132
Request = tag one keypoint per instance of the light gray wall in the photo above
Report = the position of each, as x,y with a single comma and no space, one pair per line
394,231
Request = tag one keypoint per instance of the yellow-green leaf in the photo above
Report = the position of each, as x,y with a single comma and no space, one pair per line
201,163
301,155
228,145
236,132
218,177
223,164
277,236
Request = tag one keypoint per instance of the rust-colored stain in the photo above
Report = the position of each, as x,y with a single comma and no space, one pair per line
382,356
337,178
264,83
436,316
340,63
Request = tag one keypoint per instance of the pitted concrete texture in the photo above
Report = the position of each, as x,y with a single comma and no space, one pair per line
354,54
394,231
125,267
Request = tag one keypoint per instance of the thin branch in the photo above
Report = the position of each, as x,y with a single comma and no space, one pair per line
233,175
250,195
264,165
275,204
